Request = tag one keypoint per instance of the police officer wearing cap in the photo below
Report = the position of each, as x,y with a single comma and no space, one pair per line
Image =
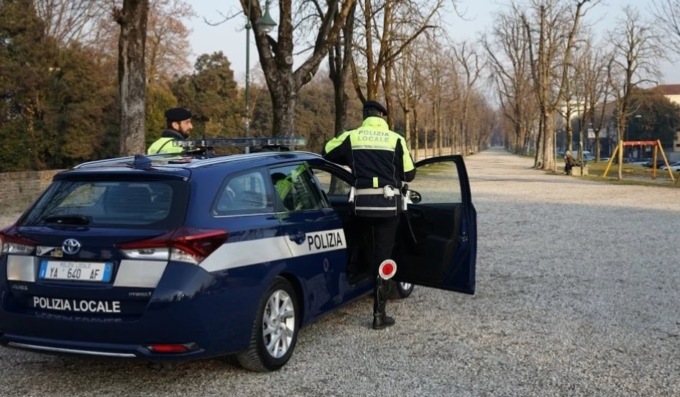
178,129
380,161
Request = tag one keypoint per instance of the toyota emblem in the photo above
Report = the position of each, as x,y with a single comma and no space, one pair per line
71,246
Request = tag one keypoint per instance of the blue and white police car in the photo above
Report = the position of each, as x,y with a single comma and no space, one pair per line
172,258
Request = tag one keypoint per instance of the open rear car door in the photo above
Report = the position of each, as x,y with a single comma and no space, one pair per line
437,239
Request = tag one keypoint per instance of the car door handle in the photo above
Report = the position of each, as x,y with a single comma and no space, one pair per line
298,237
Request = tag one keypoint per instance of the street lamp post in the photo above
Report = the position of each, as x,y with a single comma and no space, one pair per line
637,119
247,92
627,131
266,24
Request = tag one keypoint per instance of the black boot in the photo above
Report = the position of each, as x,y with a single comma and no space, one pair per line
380,318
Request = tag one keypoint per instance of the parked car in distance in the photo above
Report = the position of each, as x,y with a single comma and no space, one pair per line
615,160
674,166
641,162
588,157
177,257
659,163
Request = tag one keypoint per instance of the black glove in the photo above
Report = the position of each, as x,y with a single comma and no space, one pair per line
404,189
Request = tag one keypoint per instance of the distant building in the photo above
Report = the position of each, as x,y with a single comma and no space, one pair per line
672,92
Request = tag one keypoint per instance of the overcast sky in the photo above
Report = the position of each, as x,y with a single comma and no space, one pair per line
230,37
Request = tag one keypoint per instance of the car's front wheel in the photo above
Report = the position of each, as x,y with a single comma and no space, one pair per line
275,330
400,289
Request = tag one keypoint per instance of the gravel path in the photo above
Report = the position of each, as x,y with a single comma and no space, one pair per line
576,296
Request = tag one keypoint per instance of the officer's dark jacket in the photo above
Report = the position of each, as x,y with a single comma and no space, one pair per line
164,144
377,157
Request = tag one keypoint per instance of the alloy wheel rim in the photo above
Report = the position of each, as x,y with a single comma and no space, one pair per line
278,324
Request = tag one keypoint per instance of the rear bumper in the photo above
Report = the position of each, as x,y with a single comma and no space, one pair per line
214,319
205,335
59,347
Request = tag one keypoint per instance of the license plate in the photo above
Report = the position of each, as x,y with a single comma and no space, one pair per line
76,271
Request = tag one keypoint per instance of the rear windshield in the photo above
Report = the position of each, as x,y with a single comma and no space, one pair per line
119,204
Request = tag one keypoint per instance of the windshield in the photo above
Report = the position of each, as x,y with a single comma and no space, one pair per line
117,204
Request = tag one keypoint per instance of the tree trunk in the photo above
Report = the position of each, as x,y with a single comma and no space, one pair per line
416,144
621,125
284,98
437,146
407,128
340,61
538,156
387,87
132,19
275,52
340,100
549,142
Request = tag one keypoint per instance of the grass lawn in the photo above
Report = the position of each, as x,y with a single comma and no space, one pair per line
632,174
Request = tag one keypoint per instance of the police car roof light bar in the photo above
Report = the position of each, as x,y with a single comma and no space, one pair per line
244,142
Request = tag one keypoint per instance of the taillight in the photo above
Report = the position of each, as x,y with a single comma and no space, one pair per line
11,243
183,244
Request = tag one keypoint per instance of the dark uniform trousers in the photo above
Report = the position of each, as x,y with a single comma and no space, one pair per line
379,236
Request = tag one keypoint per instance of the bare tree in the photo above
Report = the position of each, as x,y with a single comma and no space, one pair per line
89,23
339,65
596,92
572,99
450,124
132,18
167,41
408,89
435,78
276,51
552,35
386,29
471,68
634,64
72,20
508,54
667,18
483,122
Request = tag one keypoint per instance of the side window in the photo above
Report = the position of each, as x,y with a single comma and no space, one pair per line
331,185
437,183
295,188
242,194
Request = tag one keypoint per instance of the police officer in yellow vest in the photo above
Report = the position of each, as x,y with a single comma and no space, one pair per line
380,161
178,129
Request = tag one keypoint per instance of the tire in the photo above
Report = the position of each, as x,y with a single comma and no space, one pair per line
276,321
400,290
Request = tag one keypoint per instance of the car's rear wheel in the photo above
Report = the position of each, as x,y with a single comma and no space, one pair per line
400,289
275,330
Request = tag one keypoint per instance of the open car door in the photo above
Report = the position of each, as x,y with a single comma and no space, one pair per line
437,239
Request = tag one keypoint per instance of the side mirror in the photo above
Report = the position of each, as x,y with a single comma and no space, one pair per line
414,196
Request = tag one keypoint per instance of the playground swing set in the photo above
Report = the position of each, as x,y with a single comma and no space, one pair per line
657,147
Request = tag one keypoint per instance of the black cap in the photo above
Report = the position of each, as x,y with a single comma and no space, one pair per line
177,114
375,105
